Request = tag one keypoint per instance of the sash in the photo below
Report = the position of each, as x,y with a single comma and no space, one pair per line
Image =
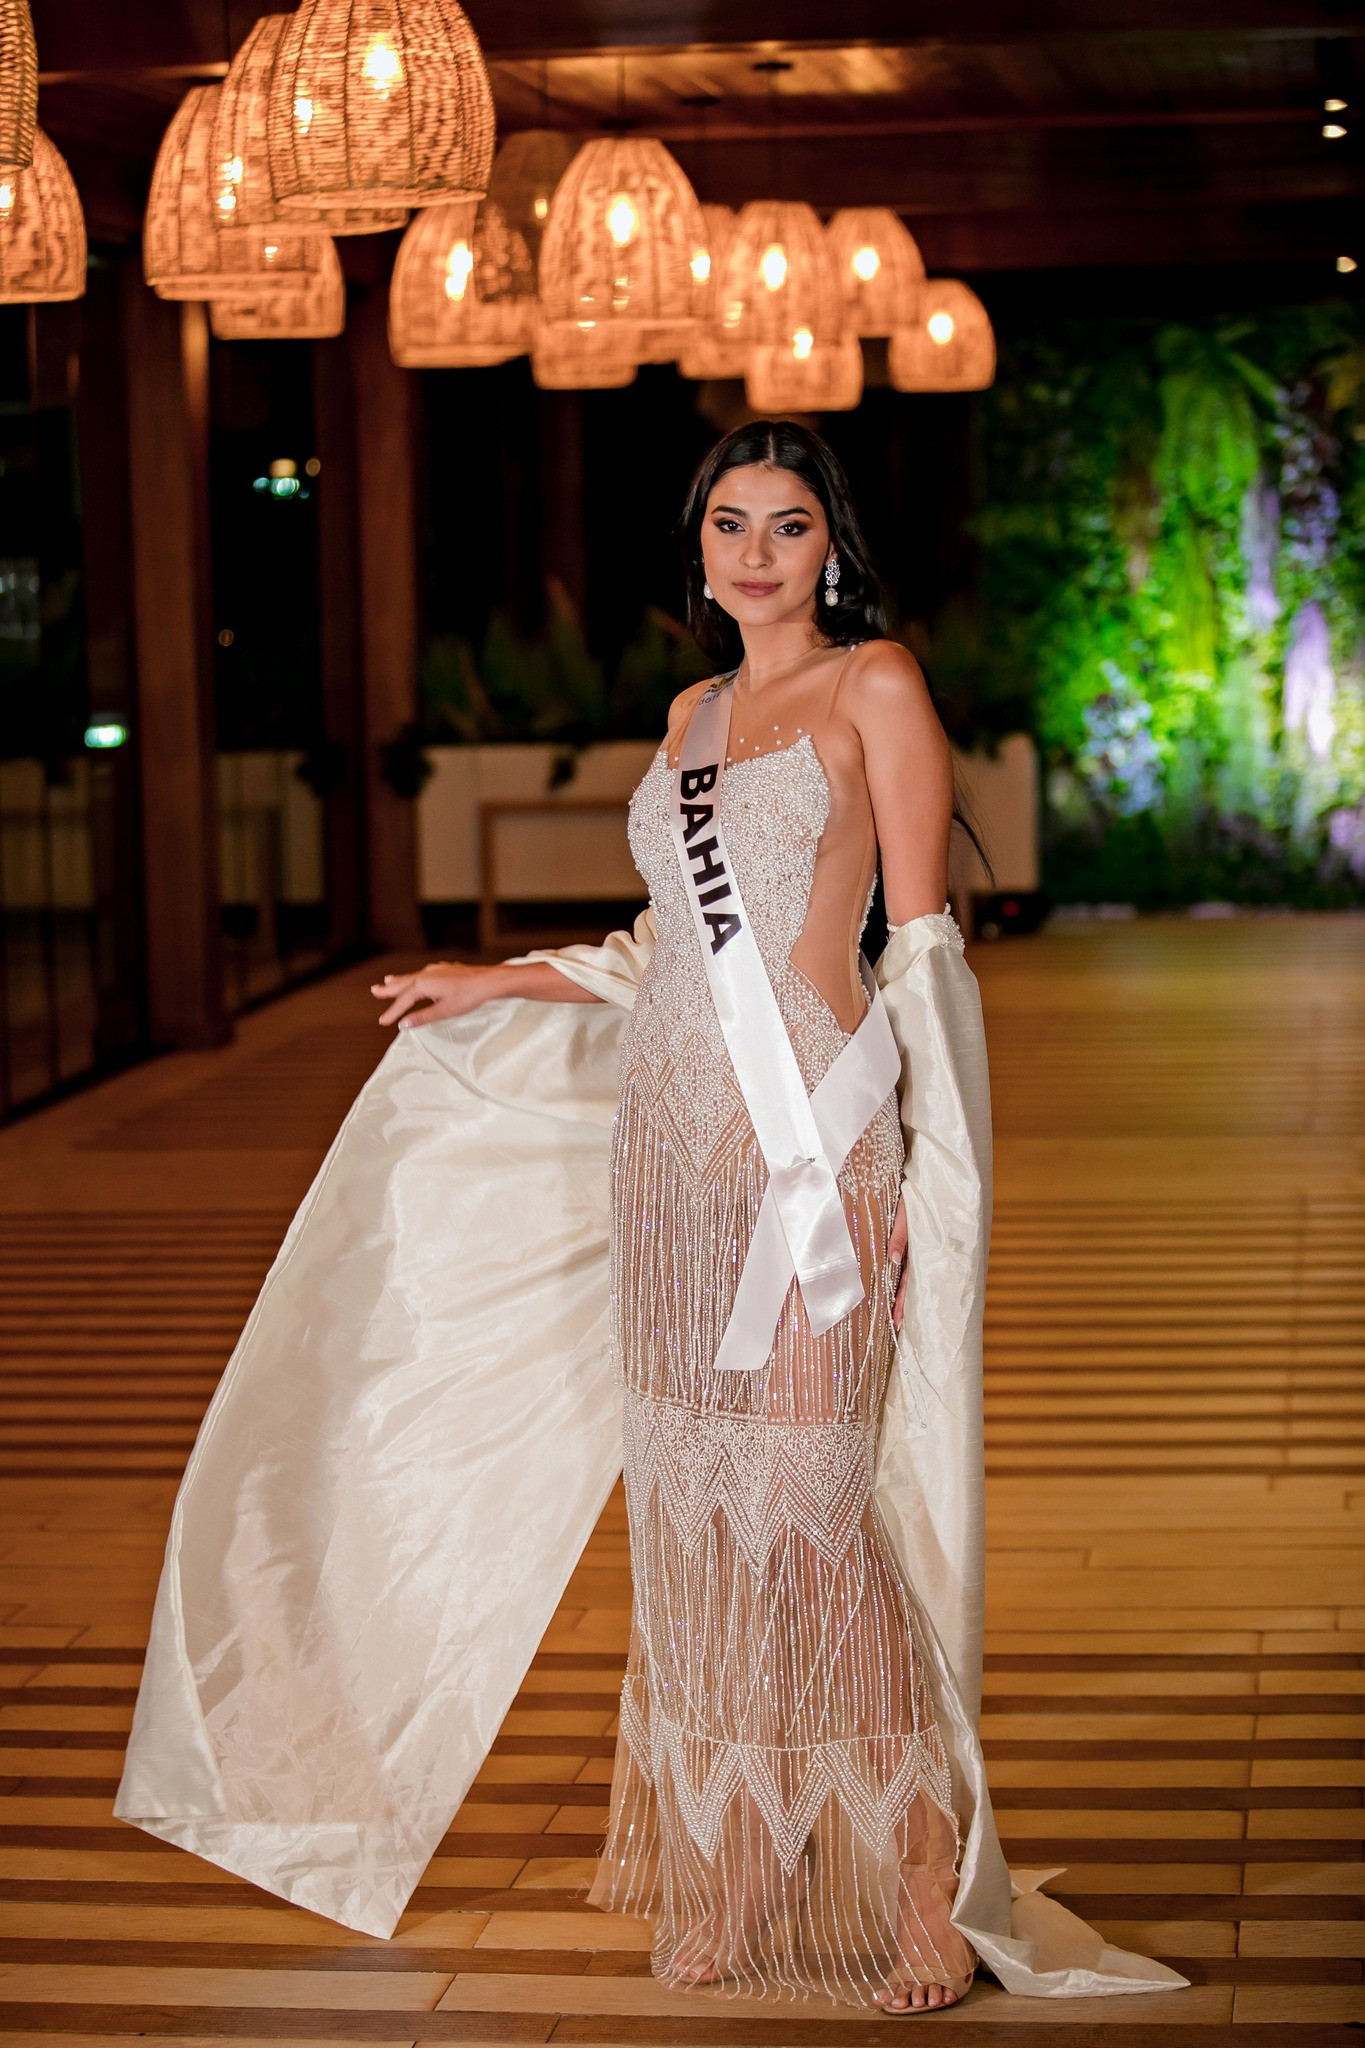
804,1139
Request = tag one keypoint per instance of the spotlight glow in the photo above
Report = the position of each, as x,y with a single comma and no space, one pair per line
107,733
303,113
942,328
803,341
866,263
701,266
1346,264
1332,131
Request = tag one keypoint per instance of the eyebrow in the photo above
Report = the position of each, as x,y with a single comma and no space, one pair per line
791,512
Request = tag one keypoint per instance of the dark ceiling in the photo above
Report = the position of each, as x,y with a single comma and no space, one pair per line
1011,138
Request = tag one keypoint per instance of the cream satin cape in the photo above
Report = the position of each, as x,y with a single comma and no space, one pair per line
421,1424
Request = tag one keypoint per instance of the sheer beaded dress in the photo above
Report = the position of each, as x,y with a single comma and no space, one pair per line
781,1807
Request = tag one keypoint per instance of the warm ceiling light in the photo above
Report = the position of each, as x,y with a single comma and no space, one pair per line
18,86
599,357
1346,264
622,230
459,264
241,151
383,67
186,253
879,268
816,379
42,231
379,147
623,220
708,352
540,207
772,266
308,309
778,275
1334,106
949,345
1333,131
526,171
438,317
803,341
701,265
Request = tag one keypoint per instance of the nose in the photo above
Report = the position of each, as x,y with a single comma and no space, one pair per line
758,550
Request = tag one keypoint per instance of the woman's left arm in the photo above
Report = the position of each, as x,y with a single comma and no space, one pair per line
910,782
909,773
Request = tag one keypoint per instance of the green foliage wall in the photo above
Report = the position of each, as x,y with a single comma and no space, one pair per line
1173,574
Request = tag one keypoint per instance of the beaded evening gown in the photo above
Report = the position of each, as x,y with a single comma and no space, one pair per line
781,1800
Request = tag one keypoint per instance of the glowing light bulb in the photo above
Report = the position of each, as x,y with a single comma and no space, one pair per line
540,206
303,113
622,219
1334,106
6,199
459,265
1332,131
383,67
1346,264
803,341
866,263
772,266
701,266
271,251
942,328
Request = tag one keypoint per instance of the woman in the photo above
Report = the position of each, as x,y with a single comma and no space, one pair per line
798,1802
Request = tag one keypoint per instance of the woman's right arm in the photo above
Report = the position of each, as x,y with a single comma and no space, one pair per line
452,989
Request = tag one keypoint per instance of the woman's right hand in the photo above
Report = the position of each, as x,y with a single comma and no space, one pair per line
444,989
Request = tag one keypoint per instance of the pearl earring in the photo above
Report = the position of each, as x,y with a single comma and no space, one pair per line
832,580
706,591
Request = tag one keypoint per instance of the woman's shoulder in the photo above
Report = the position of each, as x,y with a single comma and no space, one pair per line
883,671
886,699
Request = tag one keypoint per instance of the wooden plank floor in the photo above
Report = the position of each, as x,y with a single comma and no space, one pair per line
1176,1413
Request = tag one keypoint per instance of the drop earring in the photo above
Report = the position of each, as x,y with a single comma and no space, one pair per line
706,591
832,580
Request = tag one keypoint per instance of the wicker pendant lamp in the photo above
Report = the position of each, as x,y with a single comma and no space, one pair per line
377,103
504,267
18,86
568,358
779,277
709,352
437,319
184,254
42,230
239,154
526,171
623,228
806,376
312,310
878,266
950,345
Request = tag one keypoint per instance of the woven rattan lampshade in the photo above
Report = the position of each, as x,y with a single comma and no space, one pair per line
310,311
436,318
18,86
184,255
878,266
779,277
624,225
806,376
239,154
950,346
709,353
377,103
567,358
42,230
526,171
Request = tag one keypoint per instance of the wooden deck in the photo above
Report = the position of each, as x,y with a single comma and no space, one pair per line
1176,1414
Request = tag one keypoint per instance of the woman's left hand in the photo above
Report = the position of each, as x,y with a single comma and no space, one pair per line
895,1251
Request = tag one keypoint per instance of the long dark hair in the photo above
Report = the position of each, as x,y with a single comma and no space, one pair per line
860,613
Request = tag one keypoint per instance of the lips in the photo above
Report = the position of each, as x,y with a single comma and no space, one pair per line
758,589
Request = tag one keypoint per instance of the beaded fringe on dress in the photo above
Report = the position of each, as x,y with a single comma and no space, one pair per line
782,1804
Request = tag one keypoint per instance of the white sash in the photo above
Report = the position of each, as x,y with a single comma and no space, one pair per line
804,1138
